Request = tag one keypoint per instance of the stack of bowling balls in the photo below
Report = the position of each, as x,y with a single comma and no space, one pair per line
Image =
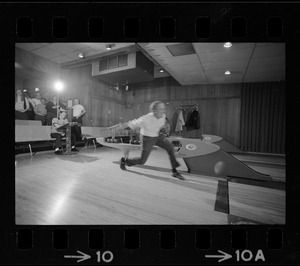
111,140
136,142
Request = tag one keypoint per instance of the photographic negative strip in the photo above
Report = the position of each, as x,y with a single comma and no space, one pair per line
180,152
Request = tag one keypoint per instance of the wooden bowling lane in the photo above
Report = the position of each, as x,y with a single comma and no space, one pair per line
261,158
259,204
90,188
274,165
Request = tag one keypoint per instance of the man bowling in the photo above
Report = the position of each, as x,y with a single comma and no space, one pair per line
150,125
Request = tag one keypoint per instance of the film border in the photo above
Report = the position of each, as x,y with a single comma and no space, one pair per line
149,252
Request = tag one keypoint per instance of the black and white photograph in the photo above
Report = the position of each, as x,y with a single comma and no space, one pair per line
170,133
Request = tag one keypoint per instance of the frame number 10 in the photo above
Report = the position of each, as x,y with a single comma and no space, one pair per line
106,256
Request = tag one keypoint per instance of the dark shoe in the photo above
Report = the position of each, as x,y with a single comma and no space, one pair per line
58,151
122,163
178,175
177,164
74,149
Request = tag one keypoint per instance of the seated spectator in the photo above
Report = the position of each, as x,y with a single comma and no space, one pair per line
21,106
41,111
57,132
78,112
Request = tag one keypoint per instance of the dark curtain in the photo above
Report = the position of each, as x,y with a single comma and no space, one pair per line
263,113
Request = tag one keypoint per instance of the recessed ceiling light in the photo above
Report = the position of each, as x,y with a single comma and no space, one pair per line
227,72
81,55
37,89
108,46
227,44
161,71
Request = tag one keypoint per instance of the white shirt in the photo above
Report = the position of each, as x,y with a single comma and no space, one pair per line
77,109
35,101
180,122
57,123
149,124
19,105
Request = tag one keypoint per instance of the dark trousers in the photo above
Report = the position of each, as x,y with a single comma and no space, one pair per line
41,118
77,128
49,118
20,115
58,138
147,145
30,114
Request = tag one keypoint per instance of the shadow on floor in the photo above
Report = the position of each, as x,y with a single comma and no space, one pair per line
188,182
78,158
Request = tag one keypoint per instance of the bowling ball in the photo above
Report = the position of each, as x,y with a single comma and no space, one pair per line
107,140
219,168
136,142
116,140
131,142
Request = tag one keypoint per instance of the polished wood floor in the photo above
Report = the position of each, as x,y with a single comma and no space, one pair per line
89,188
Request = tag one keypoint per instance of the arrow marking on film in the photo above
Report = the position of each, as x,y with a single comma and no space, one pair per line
225,256
82,257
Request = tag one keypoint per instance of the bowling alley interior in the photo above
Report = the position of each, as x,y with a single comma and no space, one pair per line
225,116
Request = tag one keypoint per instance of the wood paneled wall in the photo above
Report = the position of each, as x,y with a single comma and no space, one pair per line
35,62
34,71
18,83
219,105
105,106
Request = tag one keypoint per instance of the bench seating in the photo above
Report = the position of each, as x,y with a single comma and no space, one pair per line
26,135
28,122
29,132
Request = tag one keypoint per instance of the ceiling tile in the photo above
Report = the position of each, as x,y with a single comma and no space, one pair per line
276,69
64,48
218,47
87,51
182,60
160,53
269,50
226,65
181,49
29,46
267,44
46,52
225,55
97,46
155,45
264,78
191,68
267,61
61,59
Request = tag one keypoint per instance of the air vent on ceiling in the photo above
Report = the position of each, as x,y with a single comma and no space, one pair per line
181,49
124,69
113,62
